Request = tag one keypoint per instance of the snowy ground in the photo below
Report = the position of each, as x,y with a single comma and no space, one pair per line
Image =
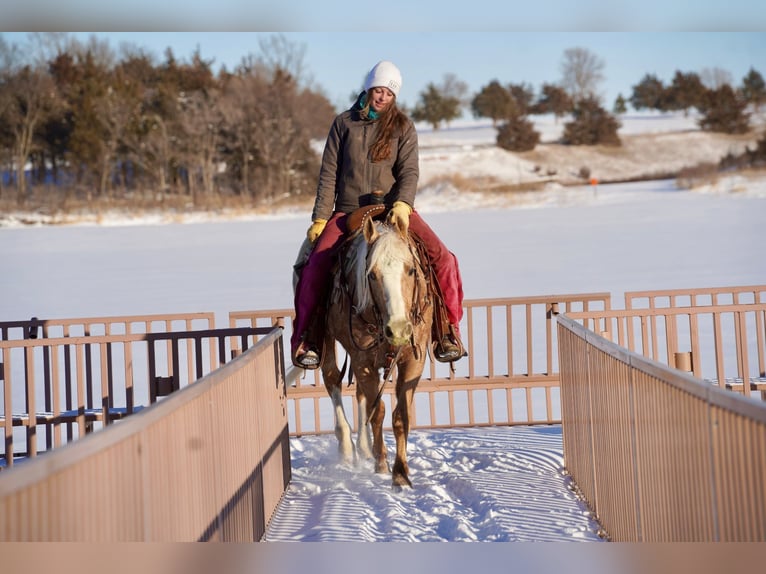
503,484
500,484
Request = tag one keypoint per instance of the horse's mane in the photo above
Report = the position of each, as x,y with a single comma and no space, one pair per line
362,256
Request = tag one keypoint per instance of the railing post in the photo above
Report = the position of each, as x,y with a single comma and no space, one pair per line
683,361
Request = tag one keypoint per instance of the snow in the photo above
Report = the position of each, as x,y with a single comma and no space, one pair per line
497,484
494,485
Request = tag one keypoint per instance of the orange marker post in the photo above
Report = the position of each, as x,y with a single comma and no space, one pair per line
594,184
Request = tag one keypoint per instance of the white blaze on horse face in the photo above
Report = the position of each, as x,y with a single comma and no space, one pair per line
392,271
387,271
398,328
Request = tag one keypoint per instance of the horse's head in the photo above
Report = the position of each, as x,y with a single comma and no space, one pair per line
387,278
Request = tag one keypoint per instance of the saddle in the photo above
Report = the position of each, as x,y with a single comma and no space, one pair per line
354,222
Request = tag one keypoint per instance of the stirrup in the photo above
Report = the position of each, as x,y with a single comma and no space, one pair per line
447,350
306,357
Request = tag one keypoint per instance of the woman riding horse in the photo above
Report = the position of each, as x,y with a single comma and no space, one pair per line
371,147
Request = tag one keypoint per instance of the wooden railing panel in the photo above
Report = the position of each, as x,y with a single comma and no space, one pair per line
696,453
209,462
509,377
726,343
90,381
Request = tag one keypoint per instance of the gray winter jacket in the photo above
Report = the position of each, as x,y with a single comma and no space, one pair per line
348,176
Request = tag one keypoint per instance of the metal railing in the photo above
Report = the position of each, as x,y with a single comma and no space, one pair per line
55,390
209,462
658,454
35,328
510,376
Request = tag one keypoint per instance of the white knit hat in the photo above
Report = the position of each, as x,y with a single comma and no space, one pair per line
384,74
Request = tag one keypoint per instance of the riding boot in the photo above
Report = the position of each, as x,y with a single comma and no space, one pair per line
307,354
450,348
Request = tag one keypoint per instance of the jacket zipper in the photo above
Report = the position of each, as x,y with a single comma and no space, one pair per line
367,170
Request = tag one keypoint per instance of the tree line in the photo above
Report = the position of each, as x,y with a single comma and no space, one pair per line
95,126
722,107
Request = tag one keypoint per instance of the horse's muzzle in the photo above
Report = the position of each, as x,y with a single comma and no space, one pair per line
398,332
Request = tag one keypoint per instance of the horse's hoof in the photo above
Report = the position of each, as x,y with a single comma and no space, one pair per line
400,481
346,454
381,467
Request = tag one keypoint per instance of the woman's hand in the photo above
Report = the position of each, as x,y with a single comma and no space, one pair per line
399,216
317,226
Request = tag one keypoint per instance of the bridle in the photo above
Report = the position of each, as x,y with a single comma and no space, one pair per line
374,327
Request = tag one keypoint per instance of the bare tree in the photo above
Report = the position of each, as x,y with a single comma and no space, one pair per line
279,53
116,111
715,78
239,107
27,94
7,62
582,72
201,123
149,146
453,87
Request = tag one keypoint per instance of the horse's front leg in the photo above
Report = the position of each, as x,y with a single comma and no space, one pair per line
334,386
405,391
367,391
363,438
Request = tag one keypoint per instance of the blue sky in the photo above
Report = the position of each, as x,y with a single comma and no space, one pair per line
400,15
338,61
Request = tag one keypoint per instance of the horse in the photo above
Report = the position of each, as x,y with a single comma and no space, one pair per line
380,311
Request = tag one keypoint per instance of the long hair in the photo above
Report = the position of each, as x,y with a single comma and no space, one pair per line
390,121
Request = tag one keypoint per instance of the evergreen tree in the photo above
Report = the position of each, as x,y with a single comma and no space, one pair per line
685,91
619,105
517,134
523,97
754,89
591,125
649,93
493,101
434,107
724,111
553,100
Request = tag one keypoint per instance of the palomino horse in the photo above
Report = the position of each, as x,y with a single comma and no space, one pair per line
380,311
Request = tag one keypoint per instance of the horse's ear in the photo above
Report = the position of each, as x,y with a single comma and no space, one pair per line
369,230
402,228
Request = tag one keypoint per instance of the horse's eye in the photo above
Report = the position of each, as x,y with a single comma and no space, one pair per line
371,276
411,271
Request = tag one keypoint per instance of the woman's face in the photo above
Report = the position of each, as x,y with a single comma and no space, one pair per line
380,99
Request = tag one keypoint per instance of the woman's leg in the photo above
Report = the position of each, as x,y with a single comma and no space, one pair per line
312,285
447,271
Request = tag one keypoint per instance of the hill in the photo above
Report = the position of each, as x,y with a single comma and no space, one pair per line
654,146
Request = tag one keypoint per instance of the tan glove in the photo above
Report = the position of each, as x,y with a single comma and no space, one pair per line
399,216
317,226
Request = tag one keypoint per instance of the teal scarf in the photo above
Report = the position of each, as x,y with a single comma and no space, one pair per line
372,114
